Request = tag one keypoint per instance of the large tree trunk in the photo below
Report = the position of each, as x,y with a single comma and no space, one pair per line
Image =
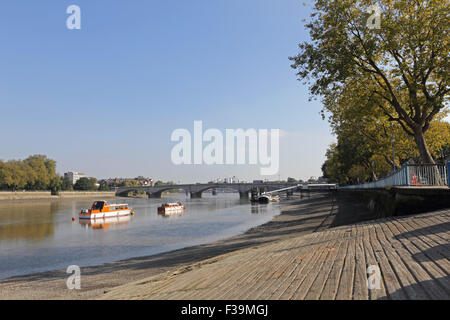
425,155
426,158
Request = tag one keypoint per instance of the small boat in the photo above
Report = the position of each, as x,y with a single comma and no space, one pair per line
266,198
103,209
171,208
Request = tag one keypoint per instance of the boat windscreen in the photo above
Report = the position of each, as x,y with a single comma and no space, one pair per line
98,205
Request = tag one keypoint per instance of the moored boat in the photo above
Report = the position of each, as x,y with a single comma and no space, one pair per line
103,209
266,198
171,208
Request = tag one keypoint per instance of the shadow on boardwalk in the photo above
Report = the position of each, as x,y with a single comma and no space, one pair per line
417,288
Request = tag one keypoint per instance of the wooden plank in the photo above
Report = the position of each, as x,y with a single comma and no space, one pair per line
281,281
261,272
371,259
425,281
430,226
436,252
345,288
332,282
239,277
324,254
306,268
430,236
317,287
418,249
286,287
247,280
360,289
406,279
264,280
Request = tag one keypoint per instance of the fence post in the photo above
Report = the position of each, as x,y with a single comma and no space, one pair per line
406,173
448,174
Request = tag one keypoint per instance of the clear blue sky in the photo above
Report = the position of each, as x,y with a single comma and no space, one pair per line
105,99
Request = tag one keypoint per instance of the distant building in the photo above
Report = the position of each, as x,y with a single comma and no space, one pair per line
146,182
141,181
74,176
322,180
230,180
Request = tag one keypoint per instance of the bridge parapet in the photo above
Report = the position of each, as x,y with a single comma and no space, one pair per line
195,190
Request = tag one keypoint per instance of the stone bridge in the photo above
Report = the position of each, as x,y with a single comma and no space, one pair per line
196,190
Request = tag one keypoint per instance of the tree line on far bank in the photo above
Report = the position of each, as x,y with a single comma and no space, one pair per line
37,172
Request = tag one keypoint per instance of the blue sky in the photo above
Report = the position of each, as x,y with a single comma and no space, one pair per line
105,99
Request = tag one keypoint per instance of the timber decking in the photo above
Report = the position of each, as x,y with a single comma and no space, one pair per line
412,253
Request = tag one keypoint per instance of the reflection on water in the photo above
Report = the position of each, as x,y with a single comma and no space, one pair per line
258,208
17,223
170,215
104,223
40,236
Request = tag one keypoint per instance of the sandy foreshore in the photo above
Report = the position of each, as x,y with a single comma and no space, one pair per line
298,217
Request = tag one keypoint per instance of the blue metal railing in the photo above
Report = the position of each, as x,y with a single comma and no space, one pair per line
411,175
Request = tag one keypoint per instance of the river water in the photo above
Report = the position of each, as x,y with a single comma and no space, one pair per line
41,236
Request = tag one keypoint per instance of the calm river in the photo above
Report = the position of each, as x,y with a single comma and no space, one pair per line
41,236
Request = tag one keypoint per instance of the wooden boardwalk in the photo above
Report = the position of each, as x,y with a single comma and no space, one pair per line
412,254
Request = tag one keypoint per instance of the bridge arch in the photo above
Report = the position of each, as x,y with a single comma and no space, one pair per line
158,193
196,190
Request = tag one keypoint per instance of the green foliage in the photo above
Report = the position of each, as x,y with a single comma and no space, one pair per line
85,184
37,172
161,183
66,184
366,77
130,183
364,153
137,193
104,187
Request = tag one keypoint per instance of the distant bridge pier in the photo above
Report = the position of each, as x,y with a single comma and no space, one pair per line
243,194
196,195
154,195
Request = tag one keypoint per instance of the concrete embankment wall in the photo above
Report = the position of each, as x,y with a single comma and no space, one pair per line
398,201
35,195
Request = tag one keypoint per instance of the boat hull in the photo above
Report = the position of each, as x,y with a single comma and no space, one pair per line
171,211
103,215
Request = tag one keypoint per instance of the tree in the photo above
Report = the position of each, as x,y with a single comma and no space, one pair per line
85,184
364,149
401,68
104,186
37,172
130,183
66,184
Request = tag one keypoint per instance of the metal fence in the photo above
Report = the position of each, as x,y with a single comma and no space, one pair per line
414,175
